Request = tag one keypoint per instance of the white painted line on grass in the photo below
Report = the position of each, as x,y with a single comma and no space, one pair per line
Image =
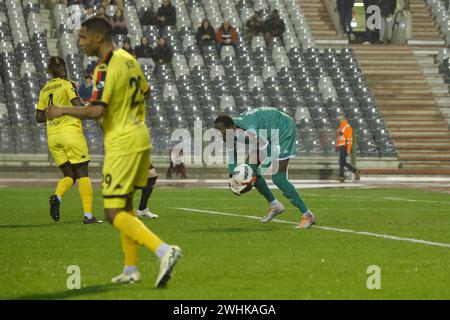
377,199
364,233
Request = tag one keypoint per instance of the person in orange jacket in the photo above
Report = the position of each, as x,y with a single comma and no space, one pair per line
226,35
344,146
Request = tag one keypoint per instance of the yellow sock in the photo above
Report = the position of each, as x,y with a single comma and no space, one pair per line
63,185
86,193
134,229
130,248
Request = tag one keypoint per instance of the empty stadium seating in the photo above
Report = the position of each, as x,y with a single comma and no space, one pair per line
311,85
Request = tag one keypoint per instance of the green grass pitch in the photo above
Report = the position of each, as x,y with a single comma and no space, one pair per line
229,257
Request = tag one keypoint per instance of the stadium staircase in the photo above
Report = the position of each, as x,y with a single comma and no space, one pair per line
407,94
425,30
323,28
51,33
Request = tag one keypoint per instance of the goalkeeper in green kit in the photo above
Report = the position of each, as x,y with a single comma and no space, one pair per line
273,132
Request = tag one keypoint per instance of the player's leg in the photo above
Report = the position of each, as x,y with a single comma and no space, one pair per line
58,152
143,211
130,249
117,201
342,161
62,187
169,171
352,169
275,207
182,169
85,190
289,191
287,150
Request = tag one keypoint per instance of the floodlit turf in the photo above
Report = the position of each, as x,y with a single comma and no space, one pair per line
228,257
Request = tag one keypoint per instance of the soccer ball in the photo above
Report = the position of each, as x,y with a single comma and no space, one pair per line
243,174
242,179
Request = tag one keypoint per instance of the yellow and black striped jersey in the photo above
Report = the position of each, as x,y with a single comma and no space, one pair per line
120,86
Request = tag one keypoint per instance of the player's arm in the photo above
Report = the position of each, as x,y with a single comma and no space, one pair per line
76,102
41,116
40,110
95,110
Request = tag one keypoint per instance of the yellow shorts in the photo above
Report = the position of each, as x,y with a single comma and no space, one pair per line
122,175
68,148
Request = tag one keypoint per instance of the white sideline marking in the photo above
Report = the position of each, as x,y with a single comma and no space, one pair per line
377,199
364,233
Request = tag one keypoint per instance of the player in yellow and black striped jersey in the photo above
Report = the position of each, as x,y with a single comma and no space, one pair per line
66,141
119,101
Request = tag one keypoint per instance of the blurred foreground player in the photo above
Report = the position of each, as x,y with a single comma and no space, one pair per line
120,94
66,141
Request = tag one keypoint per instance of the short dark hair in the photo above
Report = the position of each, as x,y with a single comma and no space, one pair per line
99,24
225,120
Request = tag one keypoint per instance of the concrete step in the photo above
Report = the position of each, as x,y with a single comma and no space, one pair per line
425,42
439,89
320,22
412,144
424,148
410,112
411,62
406,91
412,126
400,72
420,132
426,171
415,135
422,140
440,168
404,103
397,96
441,159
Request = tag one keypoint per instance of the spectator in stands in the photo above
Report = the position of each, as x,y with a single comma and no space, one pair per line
85,90
92,3
176,164
162,53
119,23
254,26
226,35
372,35
402,5
118,3
167,15
387,16
144,53
90,67
101,11
205,34
147,17
70,3
89,12
345,10
75,15
274,27
127,47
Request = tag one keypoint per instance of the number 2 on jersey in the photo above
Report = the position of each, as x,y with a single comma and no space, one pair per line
136,83
50,99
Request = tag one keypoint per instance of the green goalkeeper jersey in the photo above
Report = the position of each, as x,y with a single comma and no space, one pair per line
274,130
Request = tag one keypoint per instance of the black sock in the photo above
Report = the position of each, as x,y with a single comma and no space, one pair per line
147,192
